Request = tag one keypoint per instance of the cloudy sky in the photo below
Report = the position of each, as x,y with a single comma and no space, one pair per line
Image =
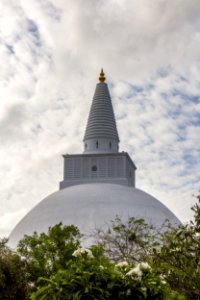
51,52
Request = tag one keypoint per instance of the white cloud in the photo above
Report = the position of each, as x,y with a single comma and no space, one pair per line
50,56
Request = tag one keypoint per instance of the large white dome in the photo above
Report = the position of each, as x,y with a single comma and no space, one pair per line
91,206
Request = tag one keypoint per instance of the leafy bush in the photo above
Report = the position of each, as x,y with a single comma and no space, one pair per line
13,284
46,253
178,256
91,275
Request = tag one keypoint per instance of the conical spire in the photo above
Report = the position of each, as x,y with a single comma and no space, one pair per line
101,134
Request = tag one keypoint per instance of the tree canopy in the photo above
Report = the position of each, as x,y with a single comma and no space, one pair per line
46,253
13,283
178,256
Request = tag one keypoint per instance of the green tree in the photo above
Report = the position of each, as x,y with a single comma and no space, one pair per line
173,252
130,240
178,257
13,284
46,253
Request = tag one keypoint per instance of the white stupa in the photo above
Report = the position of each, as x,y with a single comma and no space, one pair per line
98,184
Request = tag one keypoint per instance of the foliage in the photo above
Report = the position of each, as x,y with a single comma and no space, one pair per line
131,240
46,253
13,285
174,252
91,275
178,257
196,210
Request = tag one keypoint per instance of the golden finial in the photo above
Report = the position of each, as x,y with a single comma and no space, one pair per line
102,77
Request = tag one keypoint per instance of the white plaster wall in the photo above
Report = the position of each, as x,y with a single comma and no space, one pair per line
114,168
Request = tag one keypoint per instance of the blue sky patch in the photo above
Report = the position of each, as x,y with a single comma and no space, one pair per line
10,48
33,29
